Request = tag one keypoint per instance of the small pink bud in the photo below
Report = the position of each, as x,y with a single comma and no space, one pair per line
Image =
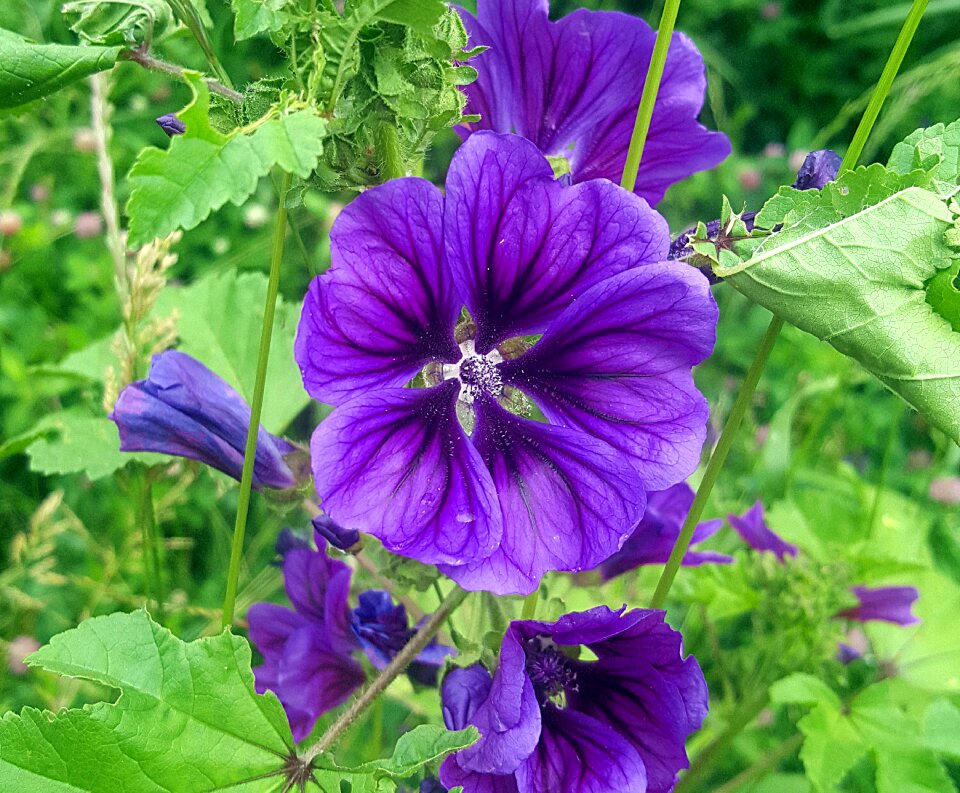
771,10
39,193
750,179
84,140
946,490
773,149
88,224
10,223
18,649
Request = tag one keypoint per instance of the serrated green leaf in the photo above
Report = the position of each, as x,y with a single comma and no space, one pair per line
204,168
911,771
935,148
31,71
75,443
119,22
941,728
831,746
859,283
420,15
803,689
258,16
219,324
424,744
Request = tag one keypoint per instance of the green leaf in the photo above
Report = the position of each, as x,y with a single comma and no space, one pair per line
83,444
204,169
118,22
219,324
259,16
831,746
424,744
31,71
941,728
420,15
859,283
935,148
803,689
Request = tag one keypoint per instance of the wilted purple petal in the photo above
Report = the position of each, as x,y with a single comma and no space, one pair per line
617,364
567,500
332,532
170,124
521,246
387,305
654,537
397,463
184,409
752,527
573,86
818,168
885,603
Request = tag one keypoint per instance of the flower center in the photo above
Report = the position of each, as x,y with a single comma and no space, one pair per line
478,374
550,671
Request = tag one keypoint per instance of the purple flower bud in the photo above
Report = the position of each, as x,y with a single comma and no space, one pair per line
184,409
340,538
172,125
818,168
752,527
884,603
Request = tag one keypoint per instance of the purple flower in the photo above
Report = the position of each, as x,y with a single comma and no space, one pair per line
456,473
885,603
573,86
655,535
752,527
308,652
184,409
551,723
172,125
819,167
340,538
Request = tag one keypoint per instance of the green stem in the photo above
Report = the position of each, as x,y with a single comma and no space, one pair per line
717,459
765,763
890,70
151,545
389,154
745,396
256,408
885,465
399,663
651,86
529,610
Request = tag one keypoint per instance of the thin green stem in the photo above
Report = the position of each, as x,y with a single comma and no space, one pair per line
887,77
529,610
151,545
256,408
885,465
390,673
651,86
745,397
766,763
389,154
717,459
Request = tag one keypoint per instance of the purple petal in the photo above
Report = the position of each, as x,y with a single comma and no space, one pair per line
567,500
332,532
577,82
170,124
509,718
270,627
463,692
654,537
387,306
752,527
183,408
453,774
885,603
580,627
579,754
395,463
818,168
381,626
617,364
521,246
319,587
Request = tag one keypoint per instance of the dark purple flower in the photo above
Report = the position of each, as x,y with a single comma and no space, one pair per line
340,538
456,474
573,86
818,168
172,125
655,535
432,785
885,603
752,527
184,409
551,723
308,652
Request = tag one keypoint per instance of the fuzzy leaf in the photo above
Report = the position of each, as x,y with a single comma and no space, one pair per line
31,71
258,16
935,148
203,169
118,22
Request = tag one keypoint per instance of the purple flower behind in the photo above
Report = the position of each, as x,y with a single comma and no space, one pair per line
184,409
572,88
456,473
653,539
819,167
551,723
752,527
340,538
172,125
884,603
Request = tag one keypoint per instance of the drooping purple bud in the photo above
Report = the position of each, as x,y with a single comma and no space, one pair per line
884,603
340,538
184,409
753,529
172,125
818,168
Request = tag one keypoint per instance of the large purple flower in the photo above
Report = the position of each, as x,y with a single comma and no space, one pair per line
654,537
570,308
551,723
573,86
308,652
183,408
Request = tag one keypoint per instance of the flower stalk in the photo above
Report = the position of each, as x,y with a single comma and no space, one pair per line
256,408
745,397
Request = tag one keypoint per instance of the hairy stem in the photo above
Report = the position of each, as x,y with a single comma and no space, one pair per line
651,86
147,61
400,662
745,396
186,12
256,408
389,157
